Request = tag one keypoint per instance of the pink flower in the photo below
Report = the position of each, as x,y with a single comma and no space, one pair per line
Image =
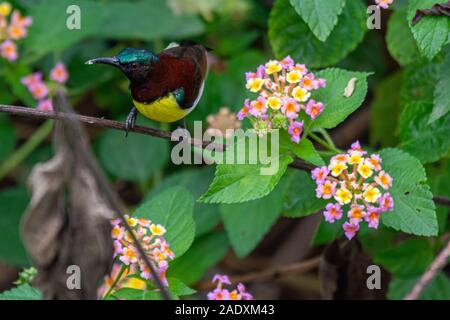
32,80
39,91
219,294
314,109
295,130
8,50
356,213
373,217
221,279
332,212
384,3
386,202
18,20
258,107
290,108
244,111
45,105
244,294
326,190
319,174
356,146
308,81
59,73
118,249
162,269
320,83
287,62
350,229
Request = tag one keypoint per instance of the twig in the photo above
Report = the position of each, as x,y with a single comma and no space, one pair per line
298,267
111,124
438,263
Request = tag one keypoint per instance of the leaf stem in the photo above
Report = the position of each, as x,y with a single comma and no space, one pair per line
116,280
26,149
324,143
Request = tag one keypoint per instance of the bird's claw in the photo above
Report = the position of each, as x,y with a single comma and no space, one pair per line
130,122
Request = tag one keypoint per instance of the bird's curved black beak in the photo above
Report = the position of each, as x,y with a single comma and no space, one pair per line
110,61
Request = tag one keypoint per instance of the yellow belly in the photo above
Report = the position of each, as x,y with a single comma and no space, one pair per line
165,109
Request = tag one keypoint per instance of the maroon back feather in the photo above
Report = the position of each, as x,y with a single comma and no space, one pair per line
179,67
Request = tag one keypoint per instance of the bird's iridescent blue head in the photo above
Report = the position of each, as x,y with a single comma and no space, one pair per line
136,64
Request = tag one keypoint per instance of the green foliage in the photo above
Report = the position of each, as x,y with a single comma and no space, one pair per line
204,253
206,216
320,15
137,20
428,142
442,93
13,203
290,36
300,198
173,209
305,150
243,182
431,33
400,41
337,106
385,111
8,137
134,158
22,292
437,289
414,210
246,223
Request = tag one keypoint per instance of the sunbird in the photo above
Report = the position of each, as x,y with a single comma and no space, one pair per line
165,87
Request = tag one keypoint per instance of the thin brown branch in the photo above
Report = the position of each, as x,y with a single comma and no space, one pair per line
438,264
111,124
272,273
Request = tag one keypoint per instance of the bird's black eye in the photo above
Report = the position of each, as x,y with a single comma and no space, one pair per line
134,65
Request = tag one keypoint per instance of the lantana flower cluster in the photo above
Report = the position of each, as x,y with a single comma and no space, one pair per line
13,27
284,89
219,293
384,4
359,185
40,90
151,237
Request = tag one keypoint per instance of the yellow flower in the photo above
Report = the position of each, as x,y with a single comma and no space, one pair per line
274,103
234,295
134,283
371,194
5,9
293,77
273,66
132,221
157,229
301,94
355,157
255,84
343,196
384,180
337,168
365,170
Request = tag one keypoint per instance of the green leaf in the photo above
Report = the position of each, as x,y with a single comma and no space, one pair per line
204,253
409,258
246,223
290,36
327,232
134,158
13,203
178,288
400,41
172,209
23,292
8,136
414,209
137,20
432,32
337,106
428,142
442,91
320,15
305,150
437,289
300,199
136,294
243,182
206,216
383,128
